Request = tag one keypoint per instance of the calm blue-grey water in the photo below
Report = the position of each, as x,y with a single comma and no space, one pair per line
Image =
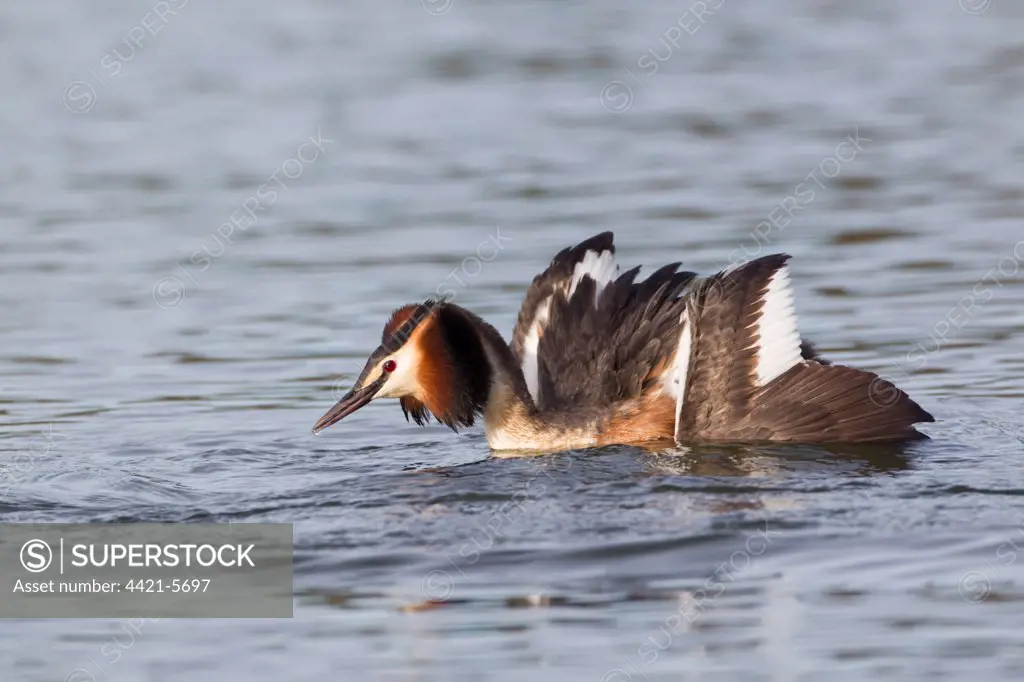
208,209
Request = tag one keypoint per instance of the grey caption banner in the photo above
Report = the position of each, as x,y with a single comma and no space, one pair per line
147,570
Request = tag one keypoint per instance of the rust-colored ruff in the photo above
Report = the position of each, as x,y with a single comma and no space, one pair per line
435,371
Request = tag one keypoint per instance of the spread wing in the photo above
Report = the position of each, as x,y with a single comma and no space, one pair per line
606,335
607,344
748,376
592,260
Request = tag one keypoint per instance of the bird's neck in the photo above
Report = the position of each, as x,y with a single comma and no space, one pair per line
507,392
473,372
511,419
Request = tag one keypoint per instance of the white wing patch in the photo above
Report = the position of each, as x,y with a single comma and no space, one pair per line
676,384
778,346
599,266
531,344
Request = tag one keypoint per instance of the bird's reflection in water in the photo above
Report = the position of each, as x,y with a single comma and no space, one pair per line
796,468
775,460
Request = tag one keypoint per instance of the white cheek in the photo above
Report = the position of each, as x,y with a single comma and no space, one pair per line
402,381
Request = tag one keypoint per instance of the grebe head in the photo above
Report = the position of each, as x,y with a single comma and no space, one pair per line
431,359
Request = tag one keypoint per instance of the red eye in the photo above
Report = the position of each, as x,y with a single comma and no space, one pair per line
390,366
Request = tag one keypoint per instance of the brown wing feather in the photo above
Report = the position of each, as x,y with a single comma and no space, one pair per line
557,275
723,352
811,402
831,403
599,355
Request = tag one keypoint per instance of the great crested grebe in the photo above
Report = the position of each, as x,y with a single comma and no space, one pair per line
598,358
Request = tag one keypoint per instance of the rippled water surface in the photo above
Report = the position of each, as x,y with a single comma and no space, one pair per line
161,363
